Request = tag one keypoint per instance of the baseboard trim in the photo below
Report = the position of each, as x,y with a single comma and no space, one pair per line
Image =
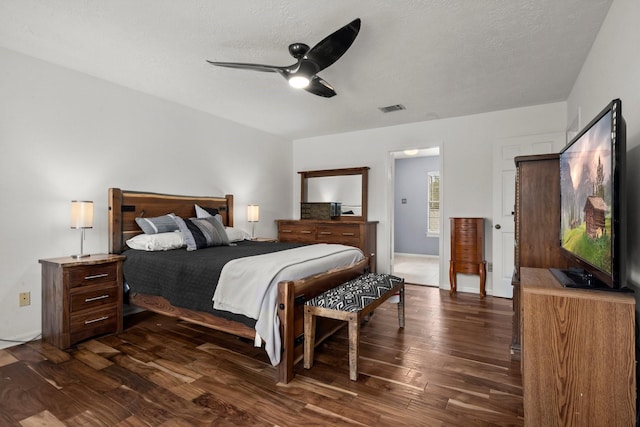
20,339
416,255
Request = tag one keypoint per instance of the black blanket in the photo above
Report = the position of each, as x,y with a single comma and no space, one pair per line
188,279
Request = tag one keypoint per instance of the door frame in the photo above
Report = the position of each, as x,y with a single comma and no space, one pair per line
391,177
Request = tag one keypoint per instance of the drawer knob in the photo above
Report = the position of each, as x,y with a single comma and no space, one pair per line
99,319
348,234
96,276
96,298
305,232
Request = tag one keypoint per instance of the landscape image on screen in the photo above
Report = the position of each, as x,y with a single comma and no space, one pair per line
585,178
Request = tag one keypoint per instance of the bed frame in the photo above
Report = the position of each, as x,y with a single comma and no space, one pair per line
125,206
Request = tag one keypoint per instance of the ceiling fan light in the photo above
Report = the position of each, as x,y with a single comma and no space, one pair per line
299,81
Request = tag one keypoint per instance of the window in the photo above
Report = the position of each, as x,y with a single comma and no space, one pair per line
433,200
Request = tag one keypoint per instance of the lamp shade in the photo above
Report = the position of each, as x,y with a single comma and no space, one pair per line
81,214
253,213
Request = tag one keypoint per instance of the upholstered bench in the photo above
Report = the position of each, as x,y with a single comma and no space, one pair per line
351,301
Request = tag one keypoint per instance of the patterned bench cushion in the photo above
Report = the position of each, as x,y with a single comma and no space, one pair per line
356,294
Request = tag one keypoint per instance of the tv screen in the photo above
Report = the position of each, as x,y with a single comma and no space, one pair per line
592,201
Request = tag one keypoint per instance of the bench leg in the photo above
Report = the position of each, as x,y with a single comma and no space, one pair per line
309,337
354,346
401,307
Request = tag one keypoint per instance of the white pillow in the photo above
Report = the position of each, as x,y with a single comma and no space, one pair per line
236,234
202,213
157,242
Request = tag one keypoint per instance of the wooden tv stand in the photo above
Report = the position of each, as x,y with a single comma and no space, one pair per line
578,354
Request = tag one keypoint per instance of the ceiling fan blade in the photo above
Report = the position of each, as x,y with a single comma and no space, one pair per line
245,66
332,47
319,86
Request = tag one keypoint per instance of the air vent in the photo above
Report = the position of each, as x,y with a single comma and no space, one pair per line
392,108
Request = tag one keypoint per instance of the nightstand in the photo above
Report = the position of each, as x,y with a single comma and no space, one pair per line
81,298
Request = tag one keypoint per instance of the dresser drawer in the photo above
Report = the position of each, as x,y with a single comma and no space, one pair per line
92,274
93,296
345,235
297,232
359,234
339,231
90,323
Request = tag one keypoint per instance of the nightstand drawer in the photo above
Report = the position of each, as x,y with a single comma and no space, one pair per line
92,274
95,322
93,296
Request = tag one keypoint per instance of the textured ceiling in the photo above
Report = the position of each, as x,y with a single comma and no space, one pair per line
439,58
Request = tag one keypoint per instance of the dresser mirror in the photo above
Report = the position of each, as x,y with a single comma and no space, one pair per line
347,186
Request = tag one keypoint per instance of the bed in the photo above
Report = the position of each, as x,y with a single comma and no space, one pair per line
126,206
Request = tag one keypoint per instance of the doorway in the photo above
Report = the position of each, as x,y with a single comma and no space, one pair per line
415,216
504,171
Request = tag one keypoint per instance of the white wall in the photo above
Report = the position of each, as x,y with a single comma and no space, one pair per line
466,175
612,70
65,135
410,206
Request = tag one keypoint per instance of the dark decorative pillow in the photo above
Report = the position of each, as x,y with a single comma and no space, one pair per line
158,224
202,232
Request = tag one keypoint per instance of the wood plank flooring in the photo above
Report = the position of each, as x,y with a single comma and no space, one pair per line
450,366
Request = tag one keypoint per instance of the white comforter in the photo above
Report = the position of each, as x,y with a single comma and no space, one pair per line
249,286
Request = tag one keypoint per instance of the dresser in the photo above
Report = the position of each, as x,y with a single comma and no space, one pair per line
467,251
537,224
361,234
81,298
578,354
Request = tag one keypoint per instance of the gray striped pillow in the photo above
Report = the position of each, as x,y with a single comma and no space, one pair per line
158,224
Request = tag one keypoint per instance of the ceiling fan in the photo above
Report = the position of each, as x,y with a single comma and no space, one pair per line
310,61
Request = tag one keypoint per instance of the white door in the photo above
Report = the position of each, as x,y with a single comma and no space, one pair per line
504,188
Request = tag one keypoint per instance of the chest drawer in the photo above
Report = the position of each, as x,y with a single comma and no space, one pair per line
93,296
92,274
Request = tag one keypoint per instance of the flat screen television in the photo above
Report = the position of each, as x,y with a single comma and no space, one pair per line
592,205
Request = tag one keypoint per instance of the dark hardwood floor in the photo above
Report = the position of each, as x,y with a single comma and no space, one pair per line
450,366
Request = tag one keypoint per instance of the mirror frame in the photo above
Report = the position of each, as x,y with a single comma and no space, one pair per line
363,171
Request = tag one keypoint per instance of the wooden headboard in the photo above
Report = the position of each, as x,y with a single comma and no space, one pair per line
125,206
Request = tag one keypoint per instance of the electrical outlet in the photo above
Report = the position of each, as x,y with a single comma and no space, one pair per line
25,298
489,267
